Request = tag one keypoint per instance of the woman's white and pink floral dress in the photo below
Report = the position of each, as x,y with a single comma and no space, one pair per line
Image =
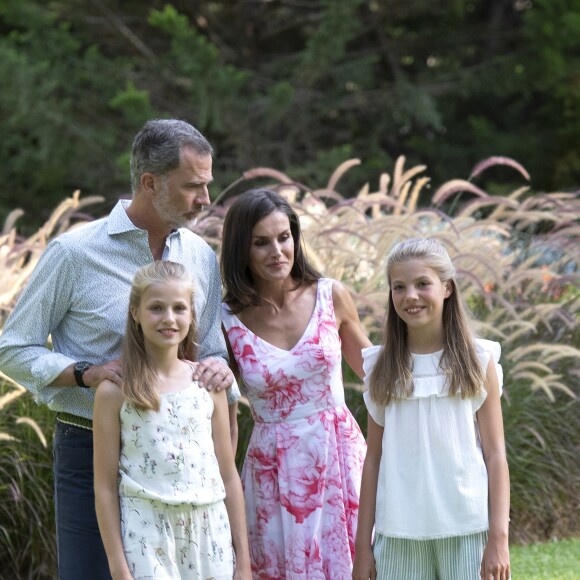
303,466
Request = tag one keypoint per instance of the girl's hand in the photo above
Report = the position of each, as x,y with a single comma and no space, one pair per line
364,565
495,564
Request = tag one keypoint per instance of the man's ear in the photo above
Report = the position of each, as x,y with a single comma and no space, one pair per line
148,182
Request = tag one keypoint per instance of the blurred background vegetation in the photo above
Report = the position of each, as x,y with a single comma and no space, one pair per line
517,256
483,93
299,85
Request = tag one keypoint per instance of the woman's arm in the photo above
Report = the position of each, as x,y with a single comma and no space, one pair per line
496,561
350,330
364,561
234,495
107,449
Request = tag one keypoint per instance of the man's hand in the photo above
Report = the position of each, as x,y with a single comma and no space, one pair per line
212,374
96,374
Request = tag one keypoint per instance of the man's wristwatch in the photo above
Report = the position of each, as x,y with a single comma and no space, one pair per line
79,369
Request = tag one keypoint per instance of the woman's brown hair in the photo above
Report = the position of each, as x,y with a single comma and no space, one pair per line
244,213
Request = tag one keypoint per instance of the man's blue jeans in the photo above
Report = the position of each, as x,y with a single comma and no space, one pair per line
80,549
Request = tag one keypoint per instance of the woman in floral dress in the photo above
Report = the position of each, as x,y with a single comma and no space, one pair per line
287,329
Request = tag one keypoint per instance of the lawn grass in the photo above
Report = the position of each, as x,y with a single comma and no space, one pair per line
551,561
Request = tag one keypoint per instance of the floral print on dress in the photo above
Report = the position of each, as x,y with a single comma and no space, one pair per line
175,542
173,518
168,454
303,466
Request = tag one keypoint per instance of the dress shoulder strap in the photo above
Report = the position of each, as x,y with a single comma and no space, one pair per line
324,291
228,318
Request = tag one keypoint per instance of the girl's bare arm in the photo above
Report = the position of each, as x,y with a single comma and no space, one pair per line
496,562
233,408
364,562
234,495
107,448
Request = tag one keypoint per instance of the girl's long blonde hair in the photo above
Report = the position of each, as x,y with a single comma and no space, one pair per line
139,378
392,376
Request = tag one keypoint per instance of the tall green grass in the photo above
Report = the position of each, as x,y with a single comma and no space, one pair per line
27,532
543,448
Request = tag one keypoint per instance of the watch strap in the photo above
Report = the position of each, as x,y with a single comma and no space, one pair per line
79,370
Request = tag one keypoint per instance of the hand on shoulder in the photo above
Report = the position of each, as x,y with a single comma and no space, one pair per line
212,374
97,374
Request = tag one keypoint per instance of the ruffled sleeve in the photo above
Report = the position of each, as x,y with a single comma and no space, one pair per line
487,348
377,412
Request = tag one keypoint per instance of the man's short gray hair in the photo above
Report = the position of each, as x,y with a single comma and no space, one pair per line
157,147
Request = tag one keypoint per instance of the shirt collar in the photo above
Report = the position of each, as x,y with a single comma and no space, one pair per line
119,222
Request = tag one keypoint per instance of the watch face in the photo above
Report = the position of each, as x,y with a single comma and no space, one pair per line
82,366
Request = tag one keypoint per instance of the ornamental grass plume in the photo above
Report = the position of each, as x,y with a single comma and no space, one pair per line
27,542
517,257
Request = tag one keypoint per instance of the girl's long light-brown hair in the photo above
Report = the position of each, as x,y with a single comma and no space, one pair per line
139,378
392,376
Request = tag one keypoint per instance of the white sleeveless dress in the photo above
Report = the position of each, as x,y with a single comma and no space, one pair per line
174,522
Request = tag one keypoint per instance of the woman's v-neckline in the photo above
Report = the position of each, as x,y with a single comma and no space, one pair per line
302,336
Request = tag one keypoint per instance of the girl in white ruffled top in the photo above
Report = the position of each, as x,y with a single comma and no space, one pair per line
435,482
168,496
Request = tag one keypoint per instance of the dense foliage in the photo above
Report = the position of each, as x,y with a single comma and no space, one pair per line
296,85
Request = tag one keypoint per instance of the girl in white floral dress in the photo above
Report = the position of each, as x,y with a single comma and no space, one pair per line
168,496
